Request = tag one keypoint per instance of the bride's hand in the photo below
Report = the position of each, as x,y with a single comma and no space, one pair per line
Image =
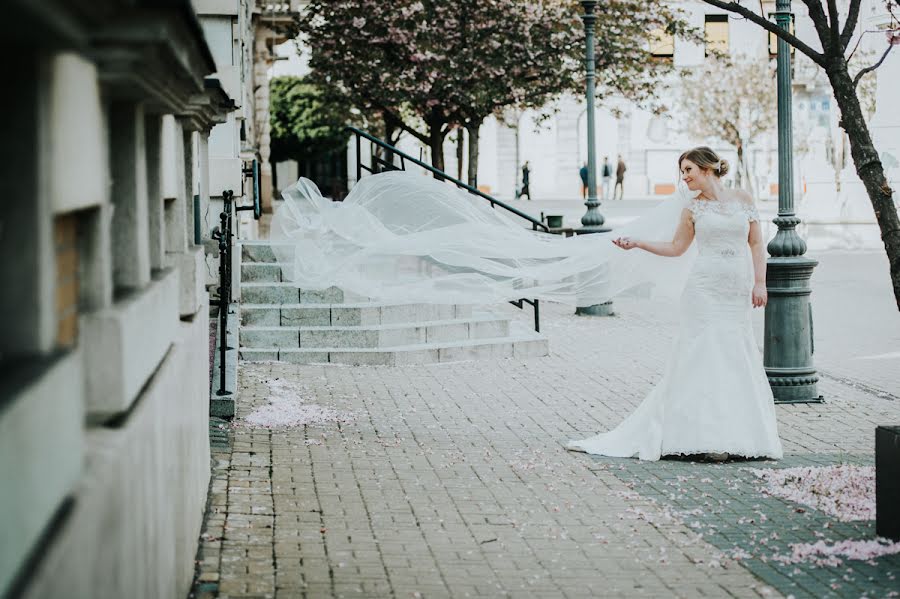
625,243
760,295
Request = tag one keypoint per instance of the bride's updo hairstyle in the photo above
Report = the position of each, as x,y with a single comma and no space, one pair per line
706,159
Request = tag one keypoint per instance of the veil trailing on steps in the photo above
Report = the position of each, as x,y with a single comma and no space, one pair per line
404,237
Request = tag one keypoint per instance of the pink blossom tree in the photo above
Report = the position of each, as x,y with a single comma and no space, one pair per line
428,66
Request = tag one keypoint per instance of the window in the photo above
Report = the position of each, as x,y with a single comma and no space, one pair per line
662,44
716,34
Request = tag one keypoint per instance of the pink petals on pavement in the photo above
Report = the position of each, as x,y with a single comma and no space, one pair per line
287,408
292,413
822,553
844,491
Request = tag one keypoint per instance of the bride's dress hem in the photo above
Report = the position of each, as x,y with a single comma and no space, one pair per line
733,452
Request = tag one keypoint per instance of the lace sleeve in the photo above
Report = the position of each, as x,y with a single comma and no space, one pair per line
751,211
696,208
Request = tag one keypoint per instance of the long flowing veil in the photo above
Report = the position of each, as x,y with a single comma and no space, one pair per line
405,237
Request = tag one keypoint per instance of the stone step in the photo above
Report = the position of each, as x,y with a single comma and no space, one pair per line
517,346
258,272
270,292
258,251
376,336
347,314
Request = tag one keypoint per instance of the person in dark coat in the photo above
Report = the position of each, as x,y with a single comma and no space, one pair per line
619,191
606,173
525,191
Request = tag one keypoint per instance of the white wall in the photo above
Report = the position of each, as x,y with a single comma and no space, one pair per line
104,448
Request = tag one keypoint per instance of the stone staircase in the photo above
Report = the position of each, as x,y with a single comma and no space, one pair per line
281,322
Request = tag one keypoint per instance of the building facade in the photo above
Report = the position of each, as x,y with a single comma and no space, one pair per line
650,145
123,127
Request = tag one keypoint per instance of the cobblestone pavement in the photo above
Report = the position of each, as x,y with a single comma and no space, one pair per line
451,479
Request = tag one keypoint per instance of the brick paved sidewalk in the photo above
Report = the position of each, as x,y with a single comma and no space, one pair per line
452,480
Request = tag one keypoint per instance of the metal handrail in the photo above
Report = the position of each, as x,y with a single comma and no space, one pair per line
256,206
389,165
535,223
224,235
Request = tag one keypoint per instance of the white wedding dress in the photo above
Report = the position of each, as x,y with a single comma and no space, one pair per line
714,395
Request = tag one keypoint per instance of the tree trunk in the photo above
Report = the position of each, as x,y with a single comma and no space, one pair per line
436,144
868,165
390,126
472,129
739,167
460,152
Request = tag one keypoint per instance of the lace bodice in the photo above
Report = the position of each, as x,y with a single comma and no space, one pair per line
721,226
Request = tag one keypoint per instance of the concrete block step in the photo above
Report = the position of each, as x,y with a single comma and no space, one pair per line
375,336
347,314
519,346
260,272
270,292
258,251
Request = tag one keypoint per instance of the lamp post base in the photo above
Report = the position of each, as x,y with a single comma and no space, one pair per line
604,309
591,229
788,343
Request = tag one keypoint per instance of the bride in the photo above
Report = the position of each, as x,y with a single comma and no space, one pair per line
714,397
399,237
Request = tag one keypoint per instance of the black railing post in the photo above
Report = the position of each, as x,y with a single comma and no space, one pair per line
358,158
224,301
227,223
537,315
198,239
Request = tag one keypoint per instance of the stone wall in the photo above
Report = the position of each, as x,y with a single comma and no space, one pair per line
104,452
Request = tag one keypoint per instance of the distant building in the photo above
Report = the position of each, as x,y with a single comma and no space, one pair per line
650,145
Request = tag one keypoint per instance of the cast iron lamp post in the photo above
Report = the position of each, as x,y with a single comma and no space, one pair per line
788,337
592,221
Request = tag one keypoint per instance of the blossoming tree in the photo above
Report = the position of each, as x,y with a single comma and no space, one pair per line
429,66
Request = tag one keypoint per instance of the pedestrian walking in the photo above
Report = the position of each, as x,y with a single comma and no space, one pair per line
619,190
607,176
583,173
526,173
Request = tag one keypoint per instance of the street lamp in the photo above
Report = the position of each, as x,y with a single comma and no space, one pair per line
788,336
592,221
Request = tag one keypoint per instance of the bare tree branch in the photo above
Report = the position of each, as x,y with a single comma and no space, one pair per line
855,47
834,19
748,14
399,121
850,23
820,22
869,69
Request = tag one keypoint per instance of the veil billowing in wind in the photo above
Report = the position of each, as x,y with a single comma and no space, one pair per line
405,237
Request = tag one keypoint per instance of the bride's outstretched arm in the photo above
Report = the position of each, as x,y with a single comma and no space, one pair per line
681,241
